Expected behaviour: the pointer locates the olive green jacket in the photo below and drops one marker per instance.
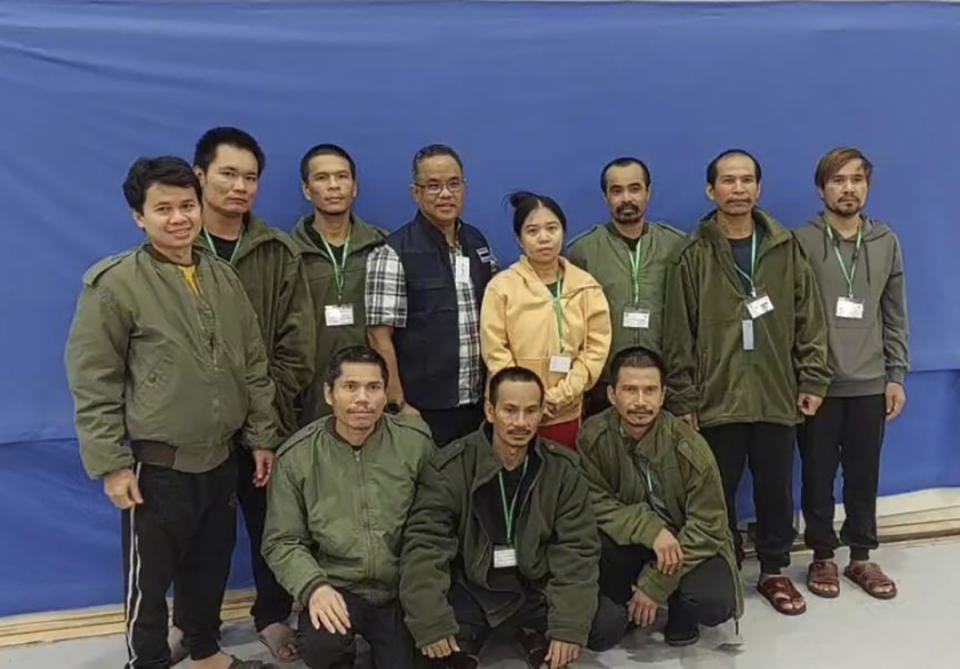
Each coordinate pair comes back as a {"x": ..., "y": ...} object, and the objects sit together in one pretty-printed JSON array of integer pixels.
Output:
[
  {"x": 335, "y": 514},
  {"x": 708, "y": 370},
  {"x": 556, "y": 541},
  {"x": 364, "y": 238},
  {"x": 604, "y": 253},
  {"x": 149, "y": 360},
  {"x": 273, "y": 276},
  {"x": 666, "y": 480}
]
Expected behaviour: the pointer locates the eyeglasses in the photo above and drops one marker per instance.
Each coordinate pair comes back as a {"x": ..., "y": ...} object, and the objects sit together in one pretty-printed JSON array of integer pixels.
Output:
[{"x": 436, "y": 187}]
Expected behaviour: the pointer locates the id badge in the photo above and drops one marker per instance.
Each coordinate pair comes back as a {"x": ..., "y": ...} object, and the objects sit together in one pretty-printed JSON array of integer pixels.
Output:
[
  {"x": 760, "y": 305},
  {"x": 638, "y": 319},
  {"x": 336, "y": 315},
  {"x": 504, "y": 556},
  {"x": 560, "y": 363},
  {"x": 847, "y": 307},
  {"x": 462, "y": 269},
  {"x": 747, "y": 325}
]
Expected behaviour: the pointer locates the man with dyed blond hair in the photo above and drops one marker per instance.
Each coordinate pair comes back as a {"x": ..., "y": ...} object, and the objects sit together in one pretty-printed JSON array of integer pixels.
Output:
[{"x": 859, "y": 268}]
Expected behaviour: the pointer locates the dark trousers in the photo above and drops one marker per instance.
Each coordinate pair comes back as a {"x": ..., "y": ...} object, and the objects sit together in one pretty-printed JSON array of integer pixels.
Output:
[
  {"x": 705, "y": 596},
  {"x": 450, "y": 424},
  {"x": 391, "y": 646},
  {"x": 846, "y": 431},
  {"x": 768, "y": 448},
  {"x": 273, "y": 603},
  {"x": 184, "y": 530},
  {"x": 607, "y": 628}
]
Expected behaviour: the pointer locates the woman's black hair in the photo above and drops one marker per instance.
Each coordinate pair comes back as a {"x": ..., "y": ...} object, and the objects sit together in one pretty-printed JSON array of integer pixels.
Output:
[{"x": 524, "y": 202}]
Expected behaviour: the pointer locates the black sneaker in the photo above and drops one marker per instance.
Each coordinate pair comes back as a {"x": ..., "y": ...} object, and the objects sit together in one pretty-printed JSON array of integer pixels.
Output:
[{"x": 681, "y": 629}]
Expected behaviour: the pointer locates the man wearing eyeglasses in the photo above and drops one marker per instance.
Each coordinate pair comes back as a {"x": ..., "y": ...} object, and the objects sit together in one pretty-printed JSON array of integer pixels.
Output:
[{"x": 423, "y": 293}]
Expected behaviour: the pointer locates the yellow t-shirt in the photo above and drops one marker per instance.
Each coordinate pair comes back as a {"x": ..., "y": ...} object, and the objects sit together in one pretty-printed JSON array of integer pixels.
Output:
[{"x": 190, "y": 276}]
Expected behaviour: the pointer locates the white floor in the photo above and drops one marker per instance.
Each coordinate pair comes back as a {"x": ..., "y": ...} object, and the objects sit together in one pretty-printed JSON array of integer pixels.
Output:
[{"x": 918, "y": 630}]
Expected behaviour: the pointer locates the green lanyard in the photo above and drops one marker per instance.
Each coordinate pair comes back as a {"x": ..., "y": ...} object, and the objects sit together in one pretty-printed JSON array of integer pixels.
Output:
[
  {"x": 558, "y": 310},
  {"x": 635, "y": 271},
  {"x": 856, "y": 252},
  {"x": 753, "y": 264},
  {"x": 213, "y": 246},
  {"x": 339, "y": 273},
  {"x": 508, "y": 511}
]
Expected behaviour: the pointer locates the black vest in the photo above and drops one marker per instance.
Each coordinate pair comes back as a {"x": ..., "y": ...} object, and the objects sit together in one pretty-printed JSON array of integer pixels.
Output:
[{"x": 428, "y": 349}]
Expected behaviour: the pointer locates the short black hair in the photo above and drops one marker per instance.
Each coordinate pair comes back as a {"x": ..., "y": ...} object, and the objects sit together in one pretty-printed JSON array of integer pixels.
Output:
[
  {"x": 207, "y": 146},
  {"x": 166, "y": 170},
  {"x": 358, "y": 354},
  {"x": 712, "y": 167},
  {"x": 623, "y": 162},
  {"x": 636, "y": 357},
  {"x": 324, "y": 150},
  {"x": 521, "y": 374},
  {"x": 524, "y": 202},
  {"x": 431, "y": 151}
]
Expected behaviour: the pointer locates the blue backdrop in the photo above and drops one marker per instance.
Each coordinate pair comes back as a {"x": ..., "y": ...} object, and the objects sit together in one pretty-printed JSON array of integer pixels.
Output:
[{"x": 533, "y": 95}]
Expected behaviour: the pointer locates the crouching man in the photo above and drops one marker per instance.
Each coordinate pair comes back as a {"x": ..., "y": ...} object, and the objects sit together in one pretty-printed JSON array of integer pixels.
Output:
[
  {"x": 336, "y": 508},
  {"x": 501, "y": 533},
  {"x": 656, "y": 493}
]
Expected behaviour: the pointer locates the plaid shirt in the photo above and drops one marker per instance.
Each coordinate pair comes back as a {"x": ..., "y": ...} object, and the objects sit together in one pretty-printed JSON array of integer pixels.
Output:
[{"x": 386, "y": 304}]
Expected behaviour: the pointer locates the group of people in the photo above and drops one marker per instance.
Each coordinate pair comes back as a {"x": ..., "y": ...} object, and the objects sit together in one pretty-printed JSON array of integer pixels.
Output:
[{"x": 426, "y": 449}]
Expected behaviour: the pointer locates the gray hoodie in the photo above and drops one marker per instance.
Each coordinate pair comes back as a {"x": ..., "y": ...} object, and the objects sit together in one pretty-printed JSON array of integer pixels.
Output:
[{"x": 864, "y": 353}]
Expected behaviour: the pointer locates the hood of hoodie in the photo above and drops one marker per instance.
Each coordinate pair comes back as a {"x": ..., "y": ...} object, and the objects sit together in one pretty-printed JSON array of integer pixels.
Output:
[
  {"x": 575, "y": 279},
  {"x": 872, "y": 231},
  {"x": 362, "y": 235}
]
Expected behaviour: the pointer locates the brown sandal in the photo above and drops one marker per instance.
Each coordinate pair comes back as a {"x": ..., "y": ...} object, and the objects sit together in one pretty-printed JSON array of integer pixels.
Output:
[
  {"x": 871, "y": 578},
  {"x": 779, "y": 591},
  {"x": 821, "y": 575}
]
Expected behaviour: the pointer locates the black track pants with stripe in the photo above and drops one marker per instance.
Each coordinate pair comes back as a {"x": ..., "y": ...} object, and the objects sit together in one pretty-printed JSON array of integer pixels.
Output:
[{"x": 185, "y": 529}]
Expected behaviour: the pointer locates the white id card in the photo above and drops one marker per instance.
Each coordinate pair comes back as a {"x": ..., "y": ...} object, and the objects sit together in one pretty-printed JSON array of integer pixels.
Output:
[
  {"x": 462, "y": 269},
  {"x": 759, "y": 306},
  {"x": 849, "y": 308},
  {"x": 560, "y": 363},
  {"x": 335, "y": 315},
  {"x": 504, "y": 556},
  {"x": 747, "y": 325},
  {"x": 636, "y": 318}
]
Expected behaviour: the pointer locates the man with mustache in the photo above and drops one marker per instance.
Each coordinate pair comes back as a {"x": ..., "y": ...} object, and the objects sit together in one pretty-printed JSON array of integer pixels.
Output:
[
  {"x": 628, "y": 257},
  {"x": 656, "y": 492},
  {"x": 859, "y": 267},
  {"x": 167, "y": 368},
  {"x": 338, "y": 502},
  {"x": 501, "y": 534},
  {"x": 746, "y": 350},
  {"x": 229, "y": 164}
]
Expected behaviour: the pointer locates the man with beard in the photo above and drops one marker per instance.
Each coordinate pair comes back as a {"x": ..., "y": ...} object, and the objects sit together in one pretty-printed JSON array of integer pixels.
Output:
[
  {"x": 338, "y": 503},
  {"x": 656, "y": 492},
  {"x": 334, "y": 242},
  {"x": 501, "y": 534},
  {"x": 746, "y": 348},
  {"x": 859, "y": 267},
  {"x": 628, "y": 257}
]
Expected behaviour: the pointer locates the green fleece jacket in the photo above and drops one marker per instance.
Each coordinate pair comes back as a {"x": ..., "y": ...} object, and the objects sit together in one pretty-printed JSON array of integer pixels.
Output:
[
  {"x": 868, "y": 352},
  {"x": 364, "y": 238},
  {"x": 270, "y": 268},
  {"x": 708, "y": 370},
  {"x": 335, "y": 513},
  {"x": 556, "y": 541},
  {"x": 150, "y": 360},
  {"x": 668, "y": 479},
  {"x": 605, "y": 254}
]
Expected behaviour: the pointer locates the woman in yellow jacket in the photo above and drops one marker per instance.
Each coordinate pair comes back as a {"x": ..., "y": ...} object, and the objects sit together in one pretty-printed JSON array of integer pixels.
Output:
[{"x": 547, "y": 315}]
